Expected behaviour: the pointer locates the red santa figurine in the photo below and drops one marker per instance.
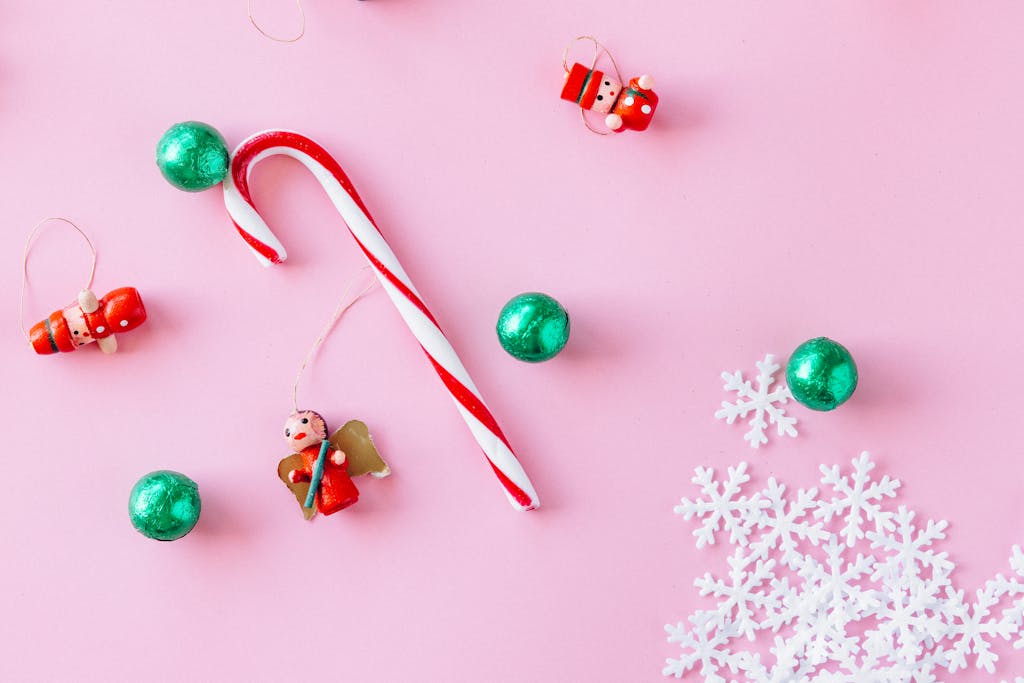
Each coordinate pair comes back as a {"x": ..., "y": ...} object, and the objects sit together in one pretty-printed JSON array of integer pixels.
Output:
[
  {"x": 627, "y": 108},
  {"x": 90, "y": 319}
]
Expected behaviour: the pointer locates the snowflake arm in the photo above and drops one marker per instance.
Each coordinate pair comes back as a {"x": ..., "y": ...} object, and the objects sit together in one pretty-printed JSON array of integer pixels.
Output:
[{"x": 1014, "y": 589}]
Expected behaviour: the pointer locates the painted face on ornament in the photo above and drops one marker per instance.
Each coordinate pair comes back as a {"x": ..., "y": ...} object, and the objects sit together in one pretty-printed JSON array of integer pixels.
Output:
[
  {"x": 76, "y": 325},
  {"x": 304, "y": 429},
  {"x": 606, "y": 94}
]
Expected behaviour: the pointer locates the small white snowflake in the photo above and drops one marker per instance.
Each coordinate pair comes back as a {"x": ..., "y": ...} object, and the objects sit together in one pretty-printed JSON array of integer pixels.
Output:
[
  {"x": 832, "y": 597},
  {"x": 834, "y": 586},
  {"x": 910, "y": 617},
  {"x": 974, "y": 626},
  {"x": 722, "y": 509},
  {"x": 745, "y": 593},
  {"x": 909, "y": 549},
  {"x": 786, "y": 524},
  {"x": 761, "y": 402},
  {"x": 858, "y": 496},
  {"x": 702, "y": 644}
]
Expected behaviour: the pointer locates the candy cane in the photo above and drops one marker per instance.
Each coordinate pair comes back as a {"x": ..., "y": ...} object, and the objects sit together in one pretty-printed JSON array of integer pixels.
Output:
[{"x": 392, "y": 276}]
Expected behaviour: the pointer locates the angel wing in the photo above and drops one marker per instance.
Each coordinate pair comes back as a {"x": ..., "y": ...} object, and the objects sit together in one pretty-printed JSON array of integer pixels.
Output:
[
  {"x": 355, "y": 442},
  {"x": 294, "y": 462}
]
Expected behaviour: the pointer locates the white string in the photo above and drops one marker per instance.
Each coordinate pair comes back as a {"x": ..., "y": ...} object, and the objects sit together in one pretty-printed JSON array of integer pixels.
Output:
[
  {"x": 24, "y": 264},
  {"x": 302, "y": 28},
  {"x": 343, "y": 306}
]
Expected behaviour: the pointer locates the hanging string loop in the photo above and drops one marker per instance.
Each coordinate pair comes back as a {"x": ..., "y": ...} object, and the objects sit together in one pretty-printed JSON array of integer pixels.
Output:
[{"x": 24, "y": 264}]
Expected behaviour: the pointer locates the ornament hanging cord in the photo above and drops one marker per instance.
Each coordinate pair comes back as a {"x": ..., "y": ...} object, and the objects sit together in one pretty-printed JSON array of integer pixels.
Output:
[
  {"x": 598, "y": 49},
  {"x": 24, "y": 264},
  {"x": 302, "y": 27},
  {"x": 343, "y": 306}
]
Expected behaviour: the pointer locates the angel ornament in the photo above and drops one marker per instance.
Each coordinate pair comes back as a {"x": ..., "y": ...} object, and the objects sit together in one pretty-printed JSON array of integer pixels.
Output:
[{"x": 320, "y": 470}]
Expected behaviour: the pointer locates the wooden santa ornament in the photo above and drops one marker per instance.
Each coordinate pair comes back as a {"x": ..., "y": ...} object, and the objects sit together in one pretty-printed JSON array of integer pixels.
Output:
[
  {"x": 89, "y": 320},
  {"x": 628, "y": 107}
]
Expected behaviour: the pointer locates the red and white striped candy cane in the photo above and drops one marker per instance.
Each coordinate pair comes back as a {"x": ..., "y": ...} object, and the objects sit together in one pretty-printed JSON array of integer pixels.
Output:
[{"x": 396, "y": 283}]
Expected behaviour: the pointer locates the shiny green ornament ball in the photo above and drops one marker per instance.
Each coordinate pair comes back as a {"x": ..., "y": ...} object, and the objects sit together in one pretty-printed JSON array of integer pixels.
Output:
[
  {"x": 533, "y": 327},
  {"x": 193, "y": 156},
  {"x": 821, "y": 374},
  {"x": 164, "y": 505}
]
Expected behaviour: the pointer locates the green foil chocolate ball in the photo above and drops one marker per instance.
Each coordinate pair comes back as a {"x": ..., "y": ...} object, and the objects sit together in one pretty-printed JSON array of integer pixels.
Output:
[
  {"x": 193, "y": 156},
  {"x": 164, "y": 505},
  {"x": 533, "y": 327},
  {"x": 821, "y": 374}
]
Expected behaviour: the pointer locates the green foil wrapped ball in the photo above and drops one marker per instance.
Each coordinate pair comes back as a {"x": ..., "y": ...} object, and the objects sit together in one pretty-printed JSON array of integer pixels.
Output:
[
  {"x": 533, "y": 327},
  {"x": 193, "y": 156},
  {"x": 164, "y": 505},
  {"x": 821, "y": 374}
]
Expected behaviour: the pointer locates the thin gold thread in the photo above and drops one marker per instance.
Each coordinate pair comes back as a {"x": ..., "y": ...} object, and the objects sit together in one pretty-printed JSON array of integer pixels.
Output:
[
  {"x": 302, "y": 28},
  {"x": 343, "y": 306},
  {"x": 24, "y": 264}
]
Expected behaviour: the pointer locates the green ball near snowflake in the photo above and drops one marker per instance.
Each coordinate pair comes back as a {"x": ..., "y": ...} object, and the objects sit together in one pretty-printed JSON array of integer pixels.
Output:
[{"x": 821, "y": 374}]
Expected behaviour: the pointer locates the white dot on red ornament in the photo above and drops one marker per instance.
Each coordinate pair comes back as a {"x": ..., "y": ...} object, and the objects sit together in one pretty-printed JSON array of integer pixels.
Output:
[
  {"x": 646, "y": 109},
  {"x": 629, "y": 101},
  {"x": 100, "y": 329},
  {"x": 124, "y": 323}
]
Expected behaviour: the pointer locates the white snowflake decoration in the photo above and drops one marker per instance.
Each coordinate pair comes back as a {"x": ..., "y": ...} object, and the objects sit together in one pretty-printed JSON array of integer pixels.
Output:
[
  {"x": 720, "y": 509},
  {"x": 833, "y": 614},
  {"x": 762, "y": 402},
  {"x": 858, "y": 496}
]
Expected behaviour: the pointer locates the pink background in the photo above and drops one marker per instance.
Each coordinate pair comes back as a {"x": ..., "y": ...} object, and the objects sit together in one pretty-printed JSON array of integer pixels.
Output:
[{"x": 850, "y": 170}]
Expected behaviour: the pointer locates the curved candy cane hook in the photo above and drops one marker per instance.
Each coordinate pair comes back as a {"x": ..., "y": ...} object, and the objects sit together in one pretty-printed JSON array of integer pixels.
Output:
[{"x": 392, "y": 276}]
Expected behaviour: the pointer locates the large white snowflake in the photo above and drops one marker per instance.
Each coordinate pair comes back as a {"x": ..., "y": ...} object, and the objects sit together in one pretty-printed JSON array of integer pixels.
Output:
[
  {"x": 762, "y": 402},
  {"x": 835, "y": 614}
]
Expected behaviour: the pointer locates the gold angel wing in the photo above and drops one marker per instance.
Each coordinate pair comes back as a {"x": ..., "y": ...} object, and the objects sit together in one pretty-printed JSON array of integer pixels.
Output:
[
  {"x": 355, "y": 442},
  {"x": 294, "y": 462}
]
